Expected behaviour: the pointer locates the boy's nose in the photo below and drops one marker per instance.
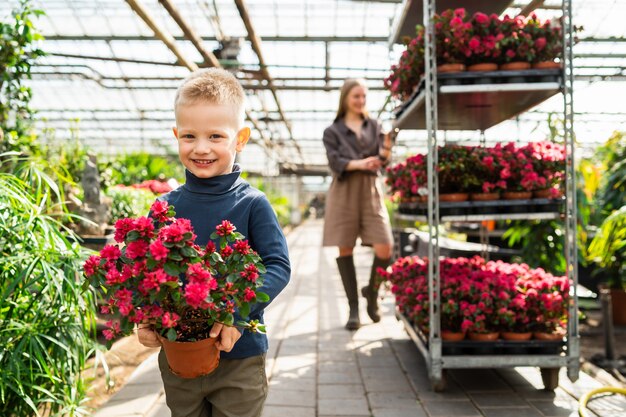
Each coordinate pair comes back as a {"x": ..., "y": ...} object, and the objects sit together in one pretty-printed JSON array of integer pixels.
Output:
[{"x": 203, "y": 146}]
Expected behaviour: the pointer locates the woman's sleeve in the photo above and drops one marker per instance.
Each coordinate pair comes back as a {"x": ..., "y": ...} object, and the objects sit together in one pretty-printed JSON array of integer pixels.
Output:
[{"x": 336, "y": 161}]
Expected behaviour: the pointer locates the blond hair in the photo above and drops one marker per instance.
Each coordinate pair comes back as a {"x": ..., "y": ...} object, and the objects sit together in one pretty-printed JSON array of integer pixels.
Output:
[
  {"x": 212, "y": 85},
  {"x": 348, "y": 85}
]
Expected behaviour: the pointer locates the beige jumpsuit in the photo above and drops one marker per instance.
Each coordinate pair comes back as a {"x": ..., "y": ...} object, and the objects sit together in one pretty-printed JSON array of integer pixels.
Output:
[{"x": 354, "y": 204}]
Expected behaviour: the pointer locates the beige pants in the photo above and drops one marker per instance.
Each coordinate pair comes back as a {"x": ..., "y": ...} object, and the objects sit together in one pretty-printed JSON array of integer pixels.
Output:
[
  {"x": 237, "y": 388},
  {"x": 355, "y": 208}
]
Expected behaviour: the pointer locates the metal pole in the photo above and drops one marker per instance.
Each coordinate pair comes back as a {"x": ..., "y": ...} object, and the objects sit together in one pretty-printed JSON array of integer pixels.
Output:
[
  {"x": 573, "y": 338},
  {"x": 434, "y": 338}
]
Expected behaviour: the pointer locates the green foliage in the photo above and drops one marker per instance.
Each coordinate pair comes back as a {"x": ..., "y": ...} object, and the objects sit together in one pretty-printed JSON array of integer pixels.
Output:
[
  {"x": 129, "y": 202},
  {"x": 133, "y": 168},
  {"x": 18, "y": 52},
  {"x": 613, "y": 157},
  {"x": 608, "y": 249},
  {"x": 541, "y": 243},
  {"x": 45, "y": 317}
]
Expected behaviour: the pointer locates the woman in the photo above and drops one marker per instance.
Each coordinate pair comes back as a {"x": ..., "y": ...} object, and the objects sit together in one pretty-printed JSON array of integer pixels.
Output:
[{"x": 356, "y": 150}]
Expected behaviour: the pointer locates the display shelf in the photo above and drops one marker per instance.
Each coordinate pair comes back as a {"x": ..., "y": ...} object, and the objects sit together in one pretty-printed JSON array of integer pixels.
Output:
[
  {"x": 467, "y": 211},
  {"x": 503, "y": 352},
  {"x": 411, "y": 14},
  {"x": 477, "y": 101}
]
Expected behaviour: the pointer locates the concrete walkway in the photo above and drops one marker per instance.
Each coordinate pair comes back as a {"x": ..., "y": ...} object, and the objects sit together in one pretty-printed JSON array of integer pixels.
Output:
[{"x": 318, "y": 369}]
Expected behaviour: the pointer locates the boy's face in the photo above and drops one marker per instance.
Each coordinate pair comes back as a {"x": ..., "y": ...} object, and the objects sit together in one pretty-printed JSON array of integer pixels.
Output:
[{"x": 208, "y": 137}]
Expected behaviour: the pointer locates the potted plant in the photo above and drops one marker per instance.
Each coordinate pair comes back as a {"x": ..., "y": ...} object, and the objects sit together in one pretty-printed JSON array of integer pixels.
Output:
[
  {"x": 405, "y": 76},
  {"x": 482, "y": 52},
  {"x": 452, "y": 33},
  {"x": 517, "y": 45},
  {"x": 161, "y": 278}
]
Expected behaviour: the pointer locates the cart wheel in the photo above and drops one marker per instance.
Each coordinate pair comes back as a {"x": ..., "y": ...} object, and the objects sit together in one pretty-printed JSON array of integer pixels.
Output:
[
  {"x": 439, "y": 385},
  {"x": 550, "y": 378}
]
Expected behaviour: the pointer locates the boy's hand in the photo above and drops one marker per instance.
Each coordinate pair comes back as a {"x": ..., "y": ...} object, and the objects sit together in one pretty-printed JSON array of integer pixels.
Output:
[
  {"x": 147, "y": 337},
  {"x": 227, "y": 336}
]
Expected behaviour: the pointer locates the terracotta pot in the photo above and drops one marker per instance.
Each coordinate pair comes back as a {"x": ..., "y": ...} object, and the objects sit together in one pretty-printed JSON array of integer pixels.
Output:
[
  {"x": 191, "y": 359},
  {"x": 484, "y": 196},
  {"x": 450, "y": 68},
  {"x": 517, "y": 195},
  {"x": 546, "y": 65},
  {"x": 451, "y": 336},
  {"x": 548, "y": 336},
  {"x": 618, "y": 301},
  {"x": 454, "y": 197},
  {"x": 484, "y": 337},
  {"x": 485, "y": 66},
  {"x": 515, "y": 336},
  {"x": 515, "y": 66},
  {"x": 546, "y": 193}
]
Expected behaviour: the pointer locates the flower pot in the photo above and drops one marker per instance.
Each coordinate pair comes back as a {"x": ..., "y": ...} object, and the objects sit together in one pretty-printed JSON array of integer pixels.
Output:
[
  {"x": 484, "y": 337},
  {"x": 547, "y": 65},
  {"x": 484, "y": 196},
  {"x": 450, "y": 68},
  {"x": 451, "y": 336},
  {"x": 454, "y": 197},
  {"x": 547, "y": 193},
  {"x": 515, "y": 66},
  {"x": 515, "y": 336},
  {"x": 547, "y": 336},
  {"x": 191, "y": 359},
  {"x": 517, "y": 195},
  {"x": 485, "y": 66}
]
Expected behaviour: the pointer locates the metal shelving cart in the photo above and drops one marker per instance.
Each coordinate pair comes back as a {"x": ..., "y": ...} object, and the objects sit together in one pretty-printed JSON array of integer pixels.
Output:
[{"x": 441, "y": 103}]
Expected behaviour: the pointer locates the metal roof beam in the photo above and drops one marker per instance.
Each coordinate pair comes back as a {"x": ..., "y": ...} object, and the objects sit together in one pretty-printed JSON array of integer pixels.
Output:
[
  {"x": 139, "y": 38},
  {"x": 530, "y": 7},
  {"x": 256, "y": 46},
  {"x": 209, "y": 58}
]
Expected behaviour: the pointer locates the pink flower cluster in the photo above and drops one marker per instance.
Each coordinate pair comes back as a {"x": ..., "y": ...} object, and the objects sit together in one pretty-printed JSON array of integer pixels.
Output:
[
  {"x": 509, "y": 167},
  {"x": 480, "y": 38},
  {"x": 159, "y": 275},
  {"x": 156, "y": 186},
  {"x": 480, "y": 296}
]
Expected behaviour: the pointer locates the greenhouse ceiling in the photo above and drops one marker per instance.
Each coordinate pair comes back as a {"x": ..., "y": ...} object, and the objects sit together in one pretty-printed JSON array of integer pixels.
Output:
[{"x": 112, "y": 67}]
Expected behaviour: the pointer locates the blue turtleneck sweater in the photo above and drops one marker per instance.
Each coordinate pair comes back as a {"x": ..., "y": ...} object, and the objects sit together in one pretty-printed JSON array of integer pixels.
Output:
[{"x": 206, "y": 202}]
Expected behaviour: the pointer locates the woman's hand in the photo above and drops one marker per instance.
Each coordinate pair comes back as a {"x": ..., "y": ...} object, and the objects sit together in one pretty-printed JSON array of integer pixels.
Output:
[{"x": 373, "y": 164}]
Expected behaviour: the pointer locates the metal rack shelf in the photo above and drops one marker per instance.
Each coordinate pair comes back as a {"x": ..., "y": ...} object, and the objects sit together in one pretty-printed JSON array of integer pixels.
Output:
[
  {"x": 480, "y": 105},
  {"x": 411, "y": 14},
  {"x": 478, "y": 101}
]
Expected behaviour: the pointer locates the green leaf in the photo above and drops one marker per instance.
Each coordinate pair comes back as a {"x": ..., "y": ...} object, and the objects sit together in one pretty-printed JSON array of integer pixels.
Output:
[
  {"x": 174, "y": 256},
  {"x": 188, "y": 251},
  {"x": 171, "y": 268},
  {"x": 171, "y": 335},
  {"x": 132, "y": 236},
  {"x": 244, "y": 310},
  {"x": 261, "y": 297},
  {"x": 261, "y": 328},
  {"x": 214, "y": 236},
  {"x": 228, "y": 319}
]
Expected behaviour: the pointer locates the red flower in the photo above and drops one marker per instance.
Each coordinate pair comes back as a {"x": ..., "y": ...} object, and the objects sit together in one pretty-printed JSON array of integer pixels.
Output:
[
  {"x": 91, "y": 265},
  {"x": 170, "y": 319},
  {"x": 158, "y": 251},
  {"x": 159, "y": 210},
  {"x": 242, "y": 247},
  {"x": 136, "y": 249},
  {"x": 225, "y": 228}
]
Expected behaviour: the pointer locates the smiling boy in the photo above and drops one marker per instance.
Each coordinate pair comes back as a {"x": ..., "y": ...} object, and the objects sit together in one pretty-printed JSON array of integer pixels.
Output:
[{"x": 210, "y": 131}]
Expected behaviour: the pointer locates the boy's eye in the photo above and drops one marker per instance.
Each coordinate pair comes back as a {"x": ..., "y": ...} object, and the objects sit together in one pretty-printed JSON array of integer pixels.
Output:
[
  {"x": 187, "y": 136},
  {"x": 216, "y": 136}
]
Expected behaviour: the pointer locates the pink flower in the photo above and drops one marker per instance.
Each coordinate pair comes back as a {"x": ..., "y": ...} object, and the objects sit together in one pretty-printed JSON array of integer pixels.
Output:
[
  {"x": 248, "y": 294},
  {"x": 158, "y": 251},
  {"x": 226, "y": 251},
  {"x": 159, "y": 210},
  {"x": 196, "y": 294},
  {"x": 170, "y": 319},
  {"x": 225, "y": 228},
  {"x": 136, "y": 249},
  {"x": 242, "y": 247},
  {"x": 91, "y": 265},
  {"x": 251, "y": 273},
  {"x": 122, "y": 227},
  {"x": 110, "y": 253}
]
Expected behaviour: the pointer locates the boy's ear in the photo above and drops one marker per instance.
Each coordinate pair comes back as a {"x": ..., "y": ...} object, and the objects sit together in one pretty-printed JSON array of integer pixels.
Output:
[
  {"x": 175, "y": 130},
  {"x": 242, "y": 138}
]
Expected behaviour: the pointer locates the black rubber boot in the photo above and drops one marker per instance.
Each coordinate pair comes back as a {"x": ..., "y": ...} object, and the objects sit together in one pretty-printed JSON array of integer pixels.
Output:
[
  {"x": 348, "y": 278},
  {"x": 370, "y": 292}
]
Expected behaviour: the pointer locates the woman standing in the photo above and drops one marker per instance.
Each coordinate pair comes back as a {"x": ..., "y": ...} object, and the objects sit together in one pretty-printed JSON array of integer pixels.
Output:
[{"x": 356, "y": 150}]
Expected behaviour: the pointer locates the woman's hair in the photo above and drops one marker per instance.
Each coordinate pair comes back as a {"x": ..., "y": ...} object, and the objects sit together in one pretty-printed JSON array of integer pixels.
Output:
[
  {"x": 348, "y": 85},
  {"x": 212, "y": 85}
]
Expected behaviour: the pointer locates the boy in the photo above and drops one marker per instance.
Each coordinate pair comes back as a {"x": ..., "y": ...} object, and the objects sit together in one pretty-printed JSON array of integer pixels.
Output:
[{"x": 209, "y": 109}]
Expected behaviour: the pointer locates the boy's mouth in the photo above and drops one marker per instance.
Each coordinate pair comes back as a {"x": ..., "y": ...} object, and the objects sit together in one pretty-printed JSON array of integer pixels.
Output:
[{"x": 203, "y": 162}]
